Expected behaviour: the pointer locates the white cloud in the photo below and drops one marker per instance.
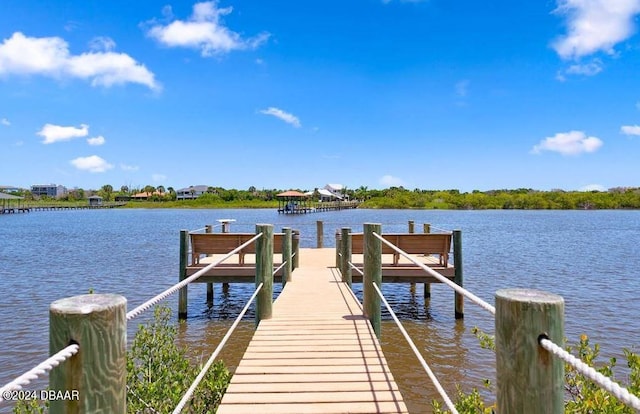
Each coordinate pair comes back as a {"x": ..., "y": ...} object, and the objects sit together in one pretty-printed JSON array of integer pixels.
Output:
[
  {"x": 93, "y": 164},
  {"x": 586, "y": 69},
  {"x": 285, "y": 116},
  {"x": 5, "y": 122},
  {"x": 158, "y": 177},
  {"x": 50, "y": 56},
  {"x": 593, "y": 187},
  {"x": 56, "y": 133},
  {"x": 462, "y": 88},
  {"x": 99, "y": 140},
  {"x": 125, "y": 167},
  {"x": 594, "y": 26},
  {"x": 568, "y": 143},
  {"x": 102, "y": 44},
  {"x": 203, "y": 30},
  {"x": 390, "y": 181},
  {"x": 630, "y": 130}
]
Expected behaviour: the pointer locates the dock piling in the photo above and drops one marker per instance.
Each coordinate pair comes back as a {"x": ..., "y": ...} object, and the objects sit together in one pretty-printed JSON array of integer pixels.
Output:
[
  {"x": 319, "y": 234},
  {"x": 345, "y": 250},
  {"x": 458, "y": 275},
  {"x": 209, "y": 229},
  {"x": 372, "y": 274},
  {"x": 264, "y": 272},
  {"x": 183, "y": 293},
  {"x": 286, "y": 255}
]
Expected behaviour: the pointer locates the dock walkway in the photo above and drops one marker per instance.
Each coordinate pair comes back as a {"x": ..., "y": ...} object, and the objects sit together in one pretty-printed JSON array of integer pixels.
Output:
[{"x": 317, "y": 354}]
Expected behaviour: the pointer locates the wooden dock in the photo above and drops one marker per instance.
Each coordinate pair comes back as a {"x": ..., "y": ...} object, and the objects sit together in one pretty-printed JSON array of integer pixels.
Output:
[{"x": 318, "y": 353}]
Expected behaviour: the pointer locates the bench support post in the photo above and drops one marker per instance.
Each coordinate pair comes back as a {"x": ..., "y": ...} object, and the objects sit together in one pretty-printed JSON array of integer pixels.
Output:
[
  {"x": 345, "y": 250},
  {"x": 457, "y": 278},
  {"x": 182, "y": 293},
  {"x": 372, "y": 274},
  {"x": 286, "y": 255},
  {"x": 264, "y": 272},
  {"x": 209, "y": 229}
]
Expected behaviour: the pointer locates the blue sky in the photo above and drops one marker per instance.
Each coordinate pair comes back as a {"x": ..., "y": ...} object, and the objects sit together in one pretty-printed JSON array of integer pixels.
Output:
[{"x": 434, "y": 94}]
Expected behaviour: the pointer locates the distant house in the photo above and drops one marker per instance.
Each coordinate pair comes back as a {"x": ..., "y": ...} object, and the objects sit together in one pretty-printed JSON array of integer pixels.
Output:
[
  {"x": 146, "y": 196},
  {"x": 337, "y": 190},
  {"x": 191, "y": 193},
  {"x": 9, "y": 189},
  {"x": 48, "y": 190},
  {"x": 324, "y": 195},
  {"x": 95, "y": 200}
]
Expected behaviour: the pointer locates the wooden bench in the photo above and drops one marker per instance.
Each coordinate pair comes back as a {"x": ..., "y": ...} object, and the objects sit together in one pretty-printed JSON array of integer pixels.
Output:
[
  {"x": 203, "y": 244},
  {"x": 412, "y": 243}
]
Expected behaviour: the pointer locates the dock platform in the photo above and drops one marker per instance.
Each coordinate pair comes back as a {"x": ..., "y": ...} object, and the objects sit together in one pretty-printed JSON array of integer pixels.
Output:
[{"x": 317, "y": 354}]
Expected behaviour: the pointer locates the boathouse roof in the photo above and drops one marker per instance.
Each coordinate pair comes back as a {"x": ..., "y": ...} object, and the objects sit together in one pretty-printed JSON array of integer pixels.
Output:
[{"x": 291, "y": 193}]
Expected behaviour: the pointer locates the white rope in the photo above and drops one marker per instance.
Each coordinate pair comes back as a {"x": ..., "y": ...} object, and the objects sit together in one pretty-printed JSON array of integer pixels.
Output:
[
  {"x": 441, "y": 278},
  {"x": 278, "y": 268},
  {"x": 42, "y": 368},
  {"x": 435, "y": 381},
  {"x": 148, "y": 304},
  {"x": 602, "y": 381},
  {"x": 356, "y": 269},
  {"x": 187, "y": 396}
]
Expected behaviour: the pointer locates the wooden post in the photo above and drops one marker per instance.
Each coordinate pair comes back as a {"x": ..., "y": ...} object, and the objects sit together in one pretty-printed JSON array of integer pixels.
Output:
[
  {"x": 426, "y": 229},
  {"x": 345, "y": 250},
  {"x": 412, "y": 286},
  {"x": 338, "y": 249},
  {"x": 319, "y": 234},
  {"x": 530, "y": 380},
  {"x": 182, "y": 293},
  {"x": 411, "y": 226},
  {"x": 295, "y": 246},
  {"x": 457, "y": 277},
  {"x": 95, "y": 379},
  {"x": 209, "y": 229},
  {"x": 225, "y": 229},
  {"x": 286, "y": 255},
  {"x": 372, "y": 274},
  {"x": 264, "y": 271}
]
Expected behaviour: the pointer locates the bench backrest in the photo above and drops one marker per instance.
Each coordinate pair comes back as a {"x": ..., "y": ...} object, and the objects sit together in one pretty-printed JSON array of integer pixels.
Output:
[
  {"x": 412, "y": 243},
  {"x": 222, "y": 243}
]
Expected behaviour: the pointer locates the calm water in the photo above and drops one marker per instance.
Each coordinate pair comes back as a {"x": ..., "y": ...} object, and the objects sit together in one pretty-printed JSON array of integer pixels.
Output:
[{"x": 589, "y": 257}]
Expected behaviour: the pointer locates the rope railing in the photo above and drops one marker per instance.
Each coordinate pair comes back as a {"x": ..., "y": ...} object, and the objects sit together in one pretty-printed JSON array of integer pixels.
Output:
[
  {"x": 354, "y": 267},
  {"x": 40, "y": 369},
  {"x": 483, "y": 304},
  {"x": 277, "y": 269},
  {"x": 151, "y": 302},
  {"x": 413, "y": 347},
  {"x": 599, "y": 379},
  {"x": 189, "y": 394}
]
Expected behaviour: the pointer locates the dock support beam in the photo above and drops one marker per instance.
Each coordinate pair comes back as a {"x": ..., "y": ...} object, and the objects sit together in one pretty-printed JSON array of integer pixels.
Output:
[
  {"x": 529, "y": 378},
  {"x": 319, "y": 234},
  {"x": 95, "y": 379},
  {"x": 345, "y": 250},
  {"x": 286, "y": 255},
  {"x": 264, "y": 272},
  {"x": 457, "y": 277},
  {"x": 372, "y": 274},
  {"x": 426, "y": 229},
  {"x": 209, "y": 229},
  {"x": 182, "y": 293}
]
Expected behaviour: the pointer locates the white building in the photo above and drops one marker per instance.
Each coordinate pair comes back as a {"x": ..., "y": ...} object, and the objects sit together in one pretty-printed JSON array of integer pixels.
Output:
[
  {"x": 337, "y": 190},
  {"x": 191, "y": 193}
]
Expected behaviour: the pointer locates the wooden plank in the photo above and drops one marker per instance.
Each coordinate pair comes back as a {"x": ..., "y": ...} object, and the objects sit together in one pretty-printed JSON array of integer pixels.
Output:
[
  {"x": 311, "y": 386},
  {"x": 318, "y": 408},
  {"x": 310, "y": 397}
]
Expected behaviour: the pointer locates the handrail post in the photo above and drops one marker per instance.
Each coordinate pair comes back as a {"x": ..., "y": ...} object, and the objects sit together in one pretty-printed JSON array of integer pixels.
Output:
[
  {"x": 411, "y": 226},
  {"x": 286, "y": 255},
  {"x": 295, "y": 246},
  {"x": 457, "y": 276},
  {"x": 264, "y": 271},
  {"x": 372, "y": 274},
  {"x": 411, "y": 230},
  {"x": 209, "y": 229},
  {"x": 345, "y": 250},
  {"x": 529, "y": 379},
  {"x": 319, "y": 234},
  {"x": 182, "y": 294},
  {"x": 95, "y": 379}
]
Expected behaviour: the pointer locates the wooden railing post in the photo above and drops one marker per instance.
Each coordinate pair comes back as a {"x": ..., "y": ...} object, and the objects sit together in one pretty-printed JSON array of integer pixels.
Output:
[
  {"x": 457, "y": 276},
  {"x": 95, "y": 379},
  {"x": 338, "y": 249},
  {"x": 286, "y": 255},
  {"x": 319, "y": 234},
  {"x": 295, "y": 246},
  {"x": 264, "y": 271},
  {"x": 372, "y": 274},
  {"x": 530, "y": 380},
  {"x": 209, "y": 229},
  {"x": 182, "y": 293},
  {"x": 345, "y": 250},
  {"x": 411, "y": 229},
  {"x": 426, "y": 229},
  {"x": 226, "y": 226},
  {"x": 411, "y": 226}
]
